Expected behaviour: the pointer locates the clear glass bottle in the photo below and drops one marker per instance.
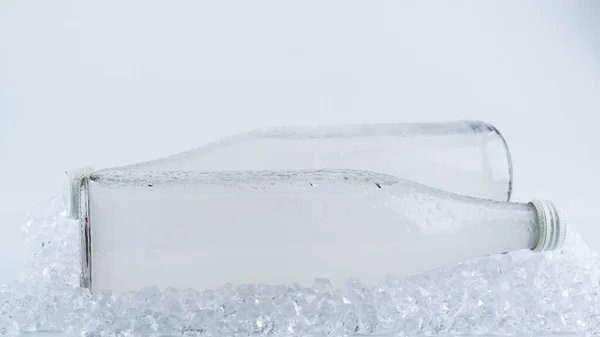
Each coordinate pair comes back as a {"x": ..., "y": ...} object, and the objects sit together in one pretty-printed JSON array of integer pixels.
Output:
[
  {"x": 465, "y": 157},
  {"x": 205, "y": 229}
]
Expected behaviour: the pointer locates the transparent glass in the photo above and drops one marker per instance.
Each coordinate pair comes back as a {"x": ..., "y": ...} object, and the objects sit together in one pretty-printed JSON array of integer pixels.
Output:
[
  {"x": 204, "y": 229},
  {"x": 465, "y": 157}
]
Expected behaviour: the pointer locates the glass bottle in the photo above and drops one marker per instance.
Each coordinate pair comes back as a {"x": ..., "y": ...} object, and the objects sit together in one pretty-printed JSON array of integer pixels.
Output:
[
  {"x": 204, "y": 229},
  {"x": 465, "y": 157}
]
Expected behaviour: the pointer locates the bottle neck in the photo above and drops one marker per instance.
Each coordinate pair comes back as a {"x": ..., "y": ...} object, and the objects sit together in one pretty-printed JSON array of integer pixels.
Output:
[
  {"x": 490, "y": 226},
  {"x": 507, "y": 227},
  {"x": 538, "y": 225}
]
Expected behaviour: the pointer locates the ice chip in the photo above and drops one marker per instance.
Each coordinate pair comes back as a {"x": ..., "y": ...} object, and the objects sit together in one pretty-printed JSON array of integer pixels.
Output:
[{"x": 323, "y": 286}]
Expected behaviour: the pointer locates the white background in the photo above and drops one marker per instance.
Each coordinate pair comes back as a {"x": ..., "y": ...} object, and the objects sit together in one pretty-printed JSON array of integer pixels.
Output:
[{"x": 115, "y": 82}]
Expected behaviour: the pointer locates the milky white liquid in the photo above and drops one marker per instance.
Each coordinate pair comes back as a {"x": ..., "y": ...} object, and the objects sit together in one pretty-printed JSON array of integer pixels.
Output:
[{"x": 203, "y": 232}]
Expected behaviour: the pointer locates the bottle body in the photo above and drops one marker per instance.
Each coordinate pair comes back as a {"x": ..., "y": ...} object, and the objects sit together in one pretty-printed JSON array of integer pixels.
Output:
[
  {"x": 465, "y": 157},
  {"x": 202, "y": 230}
]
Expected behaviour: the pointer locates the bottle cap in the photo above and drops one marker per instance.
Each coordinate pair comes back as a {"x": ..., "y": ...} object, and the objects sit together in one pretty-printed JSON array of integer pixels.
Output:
[
  {"x": 552, "y": 225},
  {"x": 72, "y": 190}
]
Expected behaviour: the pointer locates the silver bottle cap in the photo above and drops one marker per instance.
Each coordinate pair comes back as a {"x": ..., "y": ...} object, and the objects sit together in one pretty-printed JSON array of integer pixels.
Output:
[
  {"x": 72, "y": 190},
  {"x": 552, "y": 225}
]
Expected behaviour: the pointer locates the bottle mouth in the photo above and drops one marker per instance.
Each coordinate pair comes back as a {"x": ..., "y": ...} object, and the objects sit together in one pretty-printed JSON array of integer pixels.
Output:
[{"x": 552, "y": 225}]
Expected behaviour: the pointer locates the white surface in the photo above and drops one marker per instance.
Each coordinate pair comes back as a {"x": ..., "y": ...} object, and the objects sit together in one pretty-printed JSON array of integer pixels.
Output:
[{"x": 113, "y": 82}]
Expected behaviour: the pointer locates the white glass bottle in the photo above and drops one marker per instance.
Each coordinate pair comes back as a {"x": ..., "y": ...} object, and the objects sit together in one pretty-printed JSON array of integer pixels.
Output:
[
  {"x": 465, "y": 157},
  {"x": 202, "y": 230}
]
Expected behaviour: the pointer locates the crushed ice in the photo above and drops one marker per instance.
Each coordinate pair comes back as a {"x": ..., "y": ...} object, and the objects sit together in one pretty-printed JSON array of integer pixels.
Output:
[{"x": 520, "y": 292}]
